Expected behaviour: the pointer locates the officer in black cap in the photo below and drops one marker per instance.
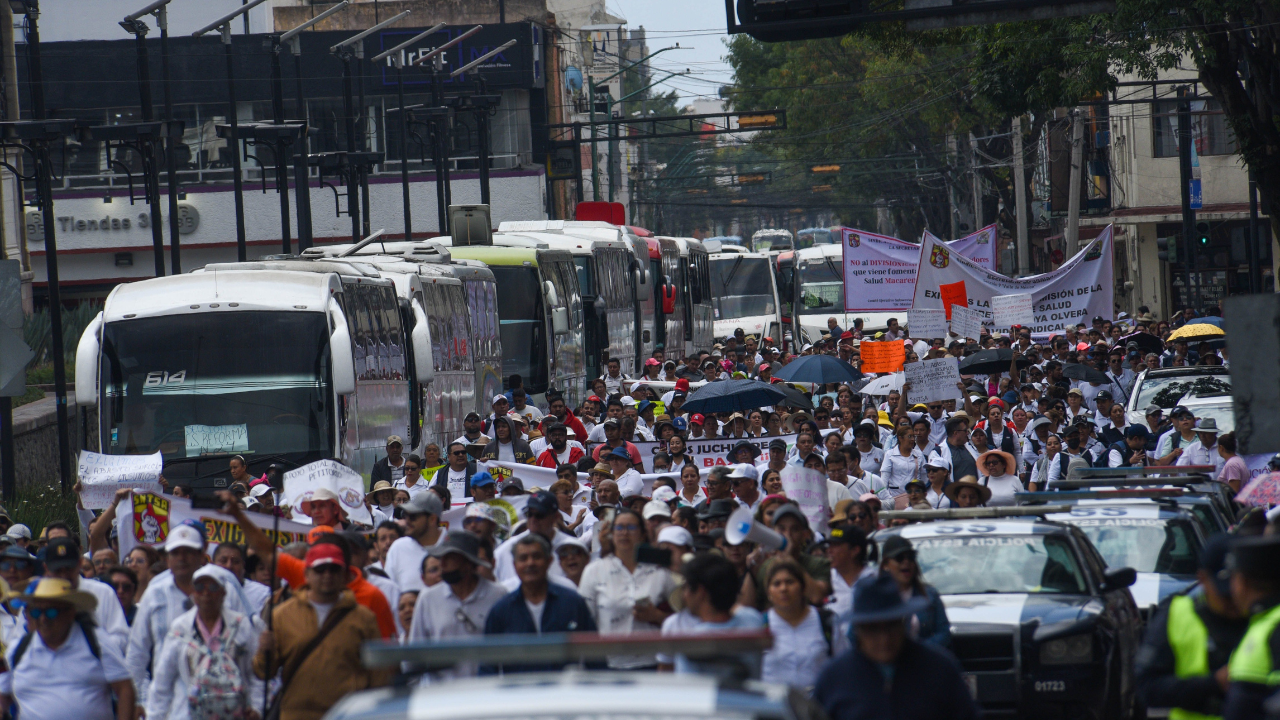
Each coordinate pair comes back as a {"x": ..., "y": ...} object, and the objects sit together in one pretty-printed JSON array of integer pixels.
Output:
[
  {"x": 1182, "y": 663},
  {"x": 1254, "y": 563}
]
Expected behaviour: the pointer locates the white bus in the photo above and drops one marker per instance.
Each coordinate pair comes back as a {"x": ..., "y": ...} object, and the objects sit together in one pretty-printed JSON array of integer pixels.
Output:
[
  {"x": 686, "y": 267},
  {"x": 279, "y": 361},
  {"x": 744, "y": 294},
  {"x": 772, "y": 240},
  {"x": 818, "y": 287}
]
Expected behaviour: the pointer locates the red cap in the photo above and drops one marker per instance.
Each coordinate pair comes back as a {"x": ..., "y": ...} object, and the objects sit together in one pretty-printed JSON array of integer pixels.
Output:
[
  {"x": 763, "y": 367},
  {"x": 594, "y": 398},
  {"x": 697, "y": 419},
  {"x": 314, "y": 533},
  {"x": 325, "y": 554},
  {"x": 682, "y": 384},
  {"x": 846, "y": 335},
  {"x": 652, "y": 361}
]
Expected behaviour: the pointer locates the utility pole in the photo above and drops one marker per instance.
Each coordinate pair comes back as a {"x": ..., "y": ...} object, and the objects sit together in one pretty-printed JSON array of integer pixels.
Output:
[
  {"x": 1020, "y": 197},
  {"x": 1073, "y": 201},
  {"x": 1251, "y": 252},
  {"x": 1184, "y": 176},
  {"x": 977, "y": 182},
  {"x": 152, "y": 184},
  {"x": 481, "y": 104}
]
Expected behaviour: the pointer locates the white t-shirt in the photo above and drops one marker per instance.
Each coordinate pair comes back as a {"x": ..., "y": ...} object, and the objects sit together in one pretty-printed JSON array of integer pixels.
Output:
[
  {"x": 322, "y": 612},
  {"x": 68, "y": 682},
  {"x": 535, "y": 611},
  {"x": 799, "y": 652},
  {"x": 457, "y": 482},
  {"x": 506, "y": 452},
  {"x": 404, "y": 563}
]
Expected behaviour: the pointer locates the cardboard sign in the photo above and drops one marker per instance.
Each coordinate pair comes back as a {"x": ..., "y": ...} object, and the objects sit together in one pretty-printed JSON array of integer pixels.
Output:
[
  {"x": 205, "y": 439},
  {"x": 346, "y": 483},
  {"x": 883, "y": 357},
  {"x": 927, "y": 324},
  {"x": 953, "y": 294},
  {"x": 932, "y": 380},
  {"x": 966, "y": 323},
  {"x": 808, "y": 489},
  {"x": 102, "y": 475},
  {"x": 1009, "y": 310}
]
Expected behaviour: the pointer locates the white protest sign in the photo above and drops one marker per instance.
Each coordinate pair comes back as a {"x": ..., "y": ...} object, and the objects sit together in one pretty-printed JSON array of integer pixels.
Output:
[
  {"x": 1009, "y": 310},
  {"x": 880, "y": 271},
  {"x": 932, "y": 380},
  {"x": 966, "y": 323},
  {"x": 980, "y": 247},
  {"x": 102, "y": 475},
  {"x": 202, "y": 439},
  {"x": 145, "y": 519},
  {"x": 927, "y": 324},
  {"x": 1082, "y": 288},
  {"x": 807, "y": 488},
  {"x": 347, "y": 484}
]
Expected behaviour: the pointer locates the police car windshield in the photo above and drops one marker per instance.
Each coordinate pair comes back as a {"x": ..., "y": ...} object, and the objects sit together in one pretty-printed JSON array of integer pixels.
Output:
[
  {"x": 1136, "y": 538},
  {"x": 968, "y": 563}
]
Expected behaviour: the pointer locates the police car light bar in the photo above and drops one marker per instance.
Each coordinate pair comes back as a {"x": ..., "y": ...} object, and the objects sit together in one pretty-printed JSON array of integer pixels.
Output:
[
  {"x": 974, "y": 513},
  {"x": 1134, "y": 494},
  {"x": 1181, "y": 481},
  {"x": 1127, "y": 472},
  {"x": 555, "y": 648}
]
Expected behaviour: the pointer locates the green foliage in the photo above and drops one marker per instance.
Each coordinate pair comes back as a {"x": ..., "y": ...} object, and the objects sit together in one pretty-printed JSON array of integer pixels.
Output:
[
  {"x": 37, "y": 332},
  {"x": 37, "y": 507}
]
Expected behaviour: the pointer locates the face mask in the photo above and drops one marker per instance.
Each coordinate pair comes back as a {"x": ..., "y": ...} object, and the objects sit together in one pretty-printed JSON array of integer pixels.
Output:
[{"x": 453, "y": 577}]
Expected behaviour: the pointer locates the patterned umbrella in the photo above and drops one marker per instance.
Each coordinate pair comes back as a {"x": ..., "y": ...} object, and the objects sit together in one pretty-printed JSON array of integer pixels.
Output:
[
  {"x": 1196, "y": 332},
  {"x": 1262, "y": 491}
]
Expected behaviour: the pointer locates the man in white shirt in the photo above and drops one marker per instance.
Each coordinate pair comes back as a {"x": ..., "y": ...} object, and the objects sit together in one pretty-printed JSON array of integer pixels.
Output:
[
  {"x": 614, "y": 377},
  {"x": 1204, "y": 451},
  {"x": 404, "y": 559},
  {"x": 62, "y": 673},
  {"x": 541, "y": 512},
  {"x": 459, "y": 605},
  {"x": 62, "y": 560},
  {"x": 744, "y": 479},
  {"x": 471, "y": 435},
  {"x": 1121, "y": 377},
  {"x": 531, "y": 414}
]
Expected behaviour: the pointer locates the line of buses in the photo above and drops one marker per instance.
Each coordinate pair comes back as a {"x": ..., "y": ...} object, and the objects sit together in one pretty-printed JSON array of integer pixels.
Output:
[{"x": 292, "y": 359}]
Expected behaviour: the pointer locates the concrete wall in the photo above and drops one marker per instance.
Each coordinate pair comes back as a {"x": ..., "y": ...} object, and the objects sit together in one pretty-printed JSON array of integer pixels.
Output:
[
  {"x": 361, "y": 15},
  {"x": 35, "y": 440}
]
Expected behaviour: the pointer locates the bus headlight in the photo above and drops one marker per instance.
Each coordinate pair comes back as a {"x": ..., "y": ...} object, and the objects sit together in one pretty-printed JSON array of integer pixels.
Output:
[{"x": 1073, "y": 650}]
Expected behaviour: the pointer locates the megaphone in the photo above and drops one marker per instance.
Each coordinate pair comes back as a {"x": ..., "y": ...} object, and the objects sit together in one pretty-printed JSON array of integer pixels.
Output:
[{"x": 743, "y": 527}]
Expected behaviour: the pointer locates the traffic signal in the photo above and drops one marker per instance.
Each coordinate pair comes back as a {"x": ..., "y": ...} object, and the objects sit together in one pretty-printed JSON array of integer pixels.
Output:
[
  {"x": 1167, "y": 249},
  {"x": 1202, "y": 234}
]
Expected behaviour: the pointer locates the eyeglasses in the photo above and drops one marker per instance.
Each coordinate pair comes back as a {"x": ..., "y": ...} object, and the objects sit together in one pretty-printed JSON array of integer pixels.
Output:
[
  {"x": 124, "y": 587},
  {"x": 935, "y": 407},
  {"x": 410, "y": 468},
  {"x": 11, "y": 565},
  {"x": 993, "y": 461},
  {"x": 465, "y": 620},
  {"x": 626, "y": 528},
  {"x": 458, "y": 452},
  {"x": 47, "y": 612}
]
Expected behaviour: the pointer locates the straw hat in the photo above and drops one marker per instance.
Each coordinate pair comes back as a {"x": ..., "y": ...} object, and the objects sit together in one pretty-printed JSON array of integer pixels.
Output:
[
  {"x": 1010, "y": 465},
  {"x": 52, "y": 589},
  {"x": 953, "y": 489}
]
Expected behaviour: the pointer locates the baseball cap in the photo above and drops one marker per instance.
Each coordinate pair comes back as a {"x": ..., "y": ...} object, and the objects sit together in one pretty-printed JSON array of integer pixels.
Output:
[
  {"x": 325, "y": 554},
  {"x": 63, "y": 552},
  {"x": 482, "y": 479},
  {"x": 697, "y": 419},
  {"x": 682, "y": 384},
  {"x": 394, "y": 440},
  {"x": 1180, "y": 411},
  {"x": 777, "y": 444},
  {"x": 511, "y": 482},
  {"x": 788, "y": 509},
  {"x": 1103, "y": 395},
  {"x": 183, "y": 536},
  {"x": 1153, "y": 410},
  {"x": 424, "y": 503},
  {"x": 541, "y": 503},
  {"x": 619, "y": 452},
  {"x": 1136, "y": 431},
  {"x": 260, "y": 490},
  {"x": 652, "y": 362},
  {"x": 213, "y": 572},
  {"x": 744, "y": 470},
  {"x": 19, "y": 531},
  {"x": 662, "y": 493},
  {"x": 675, "y": 535},
  {"x": 318, "y": 532},
  {"x": 498, "y": 397},
  {"x": 656, "y": 508}
]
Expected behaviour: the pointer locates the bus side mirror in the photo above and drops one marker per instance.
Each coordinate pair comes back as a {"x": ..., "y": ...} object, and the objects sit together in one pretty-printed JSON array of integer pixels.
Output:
[
  {"x": 424, "y": 361},
  {"x": 341, "y": 358},
  {"x": 641, "y": 279},
  {"x": 560, "y": 320},
  {"x": 87, "y": 364},
  {"x": 668, "y": 299}
]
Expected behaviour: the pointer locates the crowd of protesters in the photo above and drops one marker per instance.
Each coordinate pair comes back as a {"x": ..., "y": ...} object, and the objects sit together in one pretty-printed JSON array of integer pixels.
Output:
[{"x": 255, "y": 630}]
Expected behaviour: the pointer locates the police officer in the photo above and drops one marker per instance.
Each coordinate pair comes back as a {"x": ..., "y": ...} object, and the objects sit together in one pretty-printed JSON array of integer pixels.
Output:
[
  {"x": 1255, "y": 586},
  {"x": 1183, "y": 661}
]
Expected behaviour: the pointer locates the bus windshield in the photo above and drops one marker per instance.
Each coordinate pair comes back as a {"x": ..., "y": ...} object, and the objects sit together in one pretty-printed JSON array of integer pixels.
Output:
[
  {"x": 767, "y": 243},
  {"x": 821, "y": 287},
  {"x": 815, "y": 236},
  {"x": 521, "y": 326},
  {"x": 741, "y": 287},
  {"x": 208, "y": 383}
]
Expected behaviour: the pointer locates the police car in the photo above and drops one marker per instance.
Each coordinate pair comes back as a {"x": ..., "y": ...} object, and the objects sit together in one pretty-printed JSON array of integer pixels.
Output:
[
  {"x": 1041, "y": 625},
  {"x": 575, "y": 693}
]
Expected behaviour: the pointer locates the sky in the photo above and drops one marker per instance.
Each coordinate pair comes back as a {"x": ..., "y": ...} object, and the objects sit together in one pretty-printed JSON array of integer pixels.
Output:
[{"x": 695, "y": 24}]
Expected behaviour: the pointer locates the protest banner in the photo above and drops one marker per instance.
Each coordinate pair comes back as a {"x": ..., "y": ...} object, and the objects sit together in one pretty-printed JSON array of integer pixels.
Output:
[
  {"x": 966, "y": 323},
  {"x": 883, "y": 357},
  {"x": 102, "y": 475},
  {"x": 880, "y": 271},
  {"x": 710, "y": 453},
  {"x": 980, "y": 247},
  {"x": 807, "y": 488},
  {"x": 953, "y": 294},
  {"x": 512, "y": 513},
  {"x": 531, "y": 476},
  {"x": 927, "y": 324},
  {"x": 346, "y": 483},
  {"x": 1082, "y": 288},
  {"x": 145, "y": 519},
  {"x": 1010, "y": 310},
  {"x": 932, "y": 380}
]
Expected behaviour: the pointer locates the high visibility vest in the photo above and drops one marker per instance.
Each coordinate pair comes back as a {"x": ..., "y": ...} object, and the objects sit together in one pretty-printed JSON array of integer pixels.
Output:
[
  {"x": 1189, "y": 640},
  {"x": 1251, "y": 662}
]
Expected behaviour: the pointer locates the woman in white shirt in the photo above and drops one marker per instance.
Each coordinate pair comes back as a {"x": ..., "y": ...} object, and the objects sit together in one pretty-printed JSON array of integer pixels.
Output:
[
  {"x": 624, "y": 595},
  {"x": 902, "y": 464},
  {"x": 690, "y": 486},
  {"x": 996, "y": 467},
  {"x": 804, "y": 638}
]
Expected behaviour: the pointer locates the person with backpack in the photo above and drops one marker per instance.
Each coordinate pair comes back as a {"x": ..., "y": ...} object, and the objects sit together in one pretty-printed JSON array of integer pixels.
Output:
[
  {"x": 59, "y": 669},
  {"x": 804, "y": 636},
  {"x": 205, "y": 670},
  {"x": 1129, "y": 452}
]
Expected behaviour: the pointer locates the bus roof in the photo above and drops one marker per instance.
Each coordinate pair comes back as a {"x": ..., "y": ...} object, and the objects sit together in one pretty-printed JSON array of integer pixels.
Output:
[
  {"x": 819, "y": 251},
  {"x": 235, "y": 289},
  {"x": 728, "y": 252},
  {"x": 501, "y": 256},
  {"x": 575, "y": 243}
]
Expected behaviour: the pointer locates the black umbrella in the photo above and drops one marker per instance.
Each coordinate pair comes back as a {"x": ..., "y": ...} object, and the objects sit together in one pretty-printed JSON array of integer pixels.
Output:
[
  {"x": 990, "y": 362},
  {"x": 733, "y": 396},
  {"x": 820, "y": 369},
  {"x": 1083, "y": 373},
  {"x": 1147, "y": 343},
  {"x": 795, "y": 398}
]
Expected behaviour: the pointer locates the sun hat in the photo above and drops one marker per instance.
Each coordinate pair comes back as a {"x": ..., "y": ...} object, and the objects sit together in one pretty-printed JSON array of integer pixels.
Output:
[
  {"x": 1010, "y": 465},
  {"x": 51, "y": 589},
  {"x": 878, "y": 599},
  {"x": 320, "y": 495},
  {"x": 953, "y": 489},
  {"x": 377, "y": 488},
  {"x": 459, "y": 542}
]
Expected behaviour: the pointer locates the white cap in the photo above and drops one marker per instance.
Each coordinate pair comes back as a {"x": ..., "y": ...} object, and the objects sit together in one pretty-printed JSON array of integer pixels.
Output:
[
  {"x": 258, "y": 491},
  {"x": 249, "y": 502},
  {"x": 663, "y": 493},
  {"x": 211, "y": 571},
  {"x": 675, "y": 535},
  {"x": 183, "y": 536},
  {"x": 19, "y": 531},
  {"x": 744, "y": 470},
  {"x": 656, "y": 508},
  {"x": 498, "y": 397},
  {"x": 572, "y": 542},
  {"x": 628, "y": 401}
]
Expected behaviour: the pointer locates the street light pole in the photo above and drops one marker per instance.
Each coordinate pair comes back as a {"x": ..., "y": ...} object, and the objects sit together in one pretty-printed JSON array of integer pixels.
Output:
[
  {"x": 481, "y": 105},
  {"x": 152, "y": 183},
  {"x": 440, "y": 126},
  {"x": 223, "y": 26}
]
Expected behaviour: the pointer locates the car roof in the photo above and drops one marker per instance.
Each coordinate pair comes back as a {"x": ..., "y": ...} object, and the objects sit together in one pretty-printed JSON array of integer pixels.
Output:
[
  {"x": 1135, "y": 508},
  {"x": 566, "y": 694},
  {"x": 1002, "y": 526},
  {"x": 1192, "y": 370}
]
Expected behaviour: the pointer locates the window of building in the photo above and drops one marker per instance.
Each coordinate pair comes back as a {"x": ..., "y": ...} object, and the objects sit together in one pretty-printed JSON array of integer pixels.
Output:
[{"x": 1209, "y": 129}]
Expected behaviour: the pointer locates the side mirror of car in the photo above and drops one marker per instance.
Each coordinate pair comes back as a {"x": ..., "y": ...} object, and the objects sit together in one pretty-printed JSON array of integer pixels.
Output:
[{"x": 1119, "y": 578}]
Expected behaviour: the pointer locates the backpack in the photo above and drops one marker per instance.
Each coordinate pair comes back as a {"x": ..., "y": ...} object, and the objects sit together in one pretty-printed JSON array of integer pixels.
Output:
[{"x": 217, "y": 685}]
